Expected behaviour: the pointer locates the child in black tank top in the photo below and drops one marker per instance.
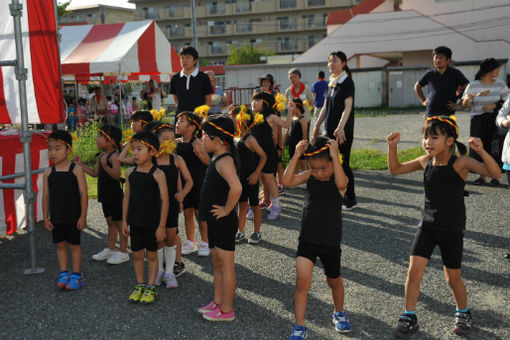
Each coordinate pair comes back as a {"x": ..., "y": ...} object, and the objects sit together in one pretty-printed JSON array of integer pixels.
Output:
[
  {"x": 176, "y": 172},
  {"x": 144, "y": 210},
  {"x": 298, "y": 130},
  {"x": 65, "y": 204},
  {"x": 109, "y": 191},
  {"x": 252, "y": 159},
  {"x": 190, "y": 148},
  {"x": 138, "y": 119},
  {"x": 321, "y": 226},
  {"x": 220, "y": 193},
  {"x": 444, "y": 214}
]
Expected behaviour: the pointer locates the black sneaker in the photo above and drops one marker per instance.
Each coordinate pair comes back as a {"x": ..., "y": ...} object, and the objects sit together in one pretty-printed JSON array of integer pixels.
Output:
[
  {"x": 179, "y": 269},
  {"x": 349, "y": 204},
  {"x": 463, "y": 323},
  {"x": 507, "y": 256},
  {"x": 407, "y": 324}
]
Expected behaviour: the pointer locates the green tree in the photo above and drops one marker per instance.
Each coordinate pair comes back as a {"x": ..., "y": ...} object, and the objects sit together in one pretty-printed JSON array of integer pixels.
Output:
[
  {"x": 247, "y": 54},
  {"x": 62, "y": 8}
]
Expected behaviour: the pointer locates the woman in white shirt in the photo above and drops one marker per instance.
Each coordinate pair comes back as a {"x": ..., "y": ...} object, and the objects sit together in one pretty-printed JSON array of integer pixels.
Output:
[{"x": 482, "y": 97}]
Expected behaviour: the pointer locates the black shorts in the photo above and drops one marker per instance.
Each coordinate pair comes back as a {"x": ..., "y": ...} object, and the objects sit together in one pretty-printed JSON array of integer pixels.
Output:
[
  {"x": 450, "y": 244},
  {"x": 143, "y": 238},
  {"x": 250, "y": 193},
  {"x": 67, "y": 232},
  {"x": 222, "y": 233},
  {"x": 172, "y": 221},
  {"x": 192, "y": 199},
  {"x": 329, "y": 256},
  {"x": 113, "y": 209}
]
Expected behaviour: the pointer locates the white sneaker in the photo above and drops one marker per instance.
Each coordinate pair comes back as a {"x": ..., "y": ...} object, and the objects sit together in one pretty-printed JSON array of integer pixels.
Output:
[
  {"x": 204, "y": 249},
  {"x": 189, "y": 247},
  {"x": 159, "y": 278},
  {"x": 118, "y": 258},
  {"x": 104, "y": 254},
  {"x": 171, "y": 281}
]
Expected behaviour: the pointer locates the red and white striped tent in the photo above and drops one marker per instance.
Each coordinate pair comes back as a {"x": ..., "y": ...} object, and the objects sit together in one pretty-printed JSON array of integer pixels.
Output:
[
  {"x": 136, "y": 50},
  {"x": 40, "y": 48}
]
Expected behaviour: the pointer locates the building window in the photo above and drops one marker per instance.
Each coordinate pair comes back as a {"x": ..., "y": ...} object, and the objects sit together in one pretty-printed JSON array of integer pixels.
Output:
[
  {"x": 288, "y": 4},
  {"x": 244, "y": 27},
  {"x": 310, "y": 41},
  {"x": 287, "y": 44},
  {"x": 287, "y": 23},
  {"x": 175, "y": 31},
  {"x": 218, "y": 27},
  {"x": 218, "y": 47},
  {"x": 243, "y": 7},
  {"x": 316, "y": 2},
  {"x": 150, "y": 13},
  {"x": 216, "y": 8}
]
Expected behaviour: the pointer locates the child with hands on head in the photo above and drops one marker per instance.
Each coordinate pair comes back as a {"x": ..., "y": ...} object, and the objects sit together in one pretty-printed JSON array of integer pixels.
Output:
[
  {"x": 190, "y": 148},
  {"x": 252, "y": 159},
  {"x": 321, "y": 226},
  {"x": 65, "y": 203},
  {"x": 145, "y": 210},
  {"x": 109, "y": 191},
  {"x": 218, "y": 199},
  {"x": 444, "y": 214},
  {"x": 174, "y": 167},
  {"x": 138, "y": 120}
]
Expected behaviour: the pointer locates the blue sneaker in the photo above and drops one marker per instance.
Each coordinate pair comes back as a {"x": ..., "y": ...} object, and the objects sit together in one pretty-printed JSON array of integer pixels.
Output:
[
  {"x": 298, "y": 333},
  {"x": 63, "y": 279},
  {"x": 75, "y": 282},
  {"x": 341, "y": 322}
]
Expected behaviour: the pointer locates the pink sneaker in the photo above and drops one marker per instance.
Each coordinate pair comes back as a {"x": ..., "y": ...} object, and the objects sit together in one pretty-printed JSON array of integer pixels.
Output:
[
  {"x": 209, "y": 307},
  {"x": 263, "y": 204},
  {"x": 218, "y": 315}
]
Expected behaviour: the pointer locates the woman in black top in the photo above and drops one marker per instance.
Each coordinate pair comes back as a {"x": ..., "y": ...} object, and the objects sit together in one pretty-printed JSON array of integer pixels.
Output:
[{"x": 338, "y": 114}]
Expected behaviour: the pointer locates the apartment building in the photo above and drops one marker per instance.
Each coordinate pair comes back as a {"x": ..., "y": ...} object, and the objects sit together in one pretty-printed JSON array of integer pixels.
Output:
[
  {"x": 281, "y": 26},
  {"x": 97, "y": 14}
]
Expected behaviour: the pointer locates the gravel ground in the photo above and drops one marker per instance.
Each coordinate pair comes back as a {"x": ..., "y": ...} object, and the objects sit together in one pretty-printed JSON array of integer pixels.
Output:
[{"x": 376, "y": 241}]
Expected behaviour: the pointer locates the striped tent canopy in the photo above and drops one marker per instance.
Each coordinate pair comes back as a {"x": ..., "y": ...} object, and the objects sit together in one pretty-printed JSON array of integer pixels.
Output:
[
  {"x": 136, "y": 50},
  {"x": 45, "y": 101}
]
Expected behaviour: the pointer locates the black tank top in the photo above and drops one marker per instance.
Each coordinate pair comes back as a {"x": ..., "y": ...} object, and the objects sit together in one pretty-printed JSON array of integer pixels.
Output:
[
  {"x": 321, "y": 222},
  {"x": 108, "y": 188},
  {"x": 194, "y": 164},
  {"x": 263, "y": 133},
  {"x": 247, "y": 158},
  {"x": 444, "y": 198},
  {"x": 214, "y": 191},
  {"x": 144, "y": 208},
  {"x": 65, "y": 206},
  {"x": 172, "y": 176},
  {"x": 295, "y": 132}
]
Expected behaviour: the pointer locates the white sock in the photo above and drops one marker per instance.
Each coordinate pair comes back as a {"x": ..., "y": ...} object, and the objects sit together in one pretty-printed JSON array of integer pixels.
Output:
[
  {"x": 160, "y": 259},
  {"x": 170, "y": 253},
  {"x": 276, "y": 201}
]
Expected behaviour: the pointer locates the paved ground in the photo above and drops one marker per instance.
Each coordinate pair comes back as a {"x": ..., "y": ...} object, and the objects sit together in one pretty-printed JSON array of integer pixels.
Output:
[{"x": 376, "y": 243}]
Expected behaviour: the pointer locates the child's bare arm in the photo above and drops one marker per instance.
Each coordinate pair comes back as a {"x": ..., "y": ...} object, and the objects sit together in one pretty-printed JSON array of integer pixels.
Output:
[
  {"x": 290, "y": 177},
  {"x": 227, "y": 169},
  {"x": 46, "y": 201},
  {"x": 186, "y": 176},
  {"x": 160, "y": 178},
  {"x": 93, "y": 172},
  {"x": 198, "y": 149},
  {"x": 125, "y": 204},
  {"x": 395, "y": 167},
  {"x": 84, "y": 198},
  {"x": 253, "y": 145},
  {"x": 123, "y": 156},
  {"x": 489, "y": 167}
]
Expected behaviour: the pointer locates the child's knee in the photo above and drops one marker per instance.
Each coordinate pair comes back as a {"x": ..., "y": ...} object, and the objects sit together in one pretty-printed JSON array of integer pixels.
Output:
[
  {"x": 138, "y": 255},
  {"x": 152, "y": 256},
  {"x": 334, "y": 283},
  {"x": 62, "y": 245}
]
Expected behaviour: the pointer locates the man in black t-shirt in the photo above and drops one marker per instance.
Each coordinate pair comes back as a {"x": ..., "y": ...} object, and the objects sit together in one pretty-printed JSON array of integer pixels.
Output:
[
  {"x": 190, "y": 87},
  {"x": 444, "y": 84}
]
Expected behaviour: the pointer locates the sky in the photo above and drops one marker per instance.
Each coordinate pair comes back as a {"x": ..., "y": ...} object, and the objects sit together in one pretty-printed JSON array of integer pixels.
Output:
[{"x": 79, "y": 3}]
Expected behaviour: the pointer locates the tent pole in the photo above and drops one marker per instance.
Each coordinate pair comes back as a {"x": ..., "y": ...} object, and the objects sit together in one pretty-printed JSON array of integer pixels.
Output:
[
  {"x": 25, "y": 135},
  {"x": 121, "y": 112}
]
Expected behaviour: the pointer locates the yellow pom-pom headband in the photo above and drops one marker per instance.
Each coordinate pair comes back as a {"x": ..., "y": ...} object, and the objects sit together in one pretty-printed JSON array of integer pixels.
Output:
[
  {"x": 165, "y": 125},
  {"x": 450, "y": 120},
  {"x": 202, "y": 111},
  {"x": 167, "y": 147},
  {"x": 280, "y": 102},
  {"x": 145, "y": 143},
  {"x": 128, "y": 134},
  {"x": 243, "y": 117},
  {"x": 221, "y": 129},
  {"x": 101, "y": 131},
  {"x": 158, "y": 115}
]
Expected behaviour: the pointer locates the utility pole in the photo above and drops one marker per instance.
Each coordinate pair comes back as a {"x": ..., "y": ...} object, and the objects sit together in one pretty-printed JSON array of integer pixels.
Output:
[
  {"x": 194, "y": 24},
  {"x": 101, "y": 13}
]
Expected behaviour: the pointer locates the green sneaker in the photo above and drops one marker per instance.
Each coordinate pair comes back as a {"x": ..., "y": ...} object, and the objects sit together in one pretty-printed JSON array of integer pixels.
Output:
[
  {"x": 239, "y": 236},
  {"x": 255, "y": 238},
  {"x": 136, "y": 294},
  {"x": 148, "y": 297}
]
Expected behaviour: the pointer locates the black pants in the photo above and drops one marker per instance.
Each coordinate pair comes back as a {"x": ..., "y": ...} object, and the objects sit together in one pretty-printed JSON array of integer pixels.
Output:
[
  {"x": 345, "y": 150},
  {"x": 483, "y": 126}
]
